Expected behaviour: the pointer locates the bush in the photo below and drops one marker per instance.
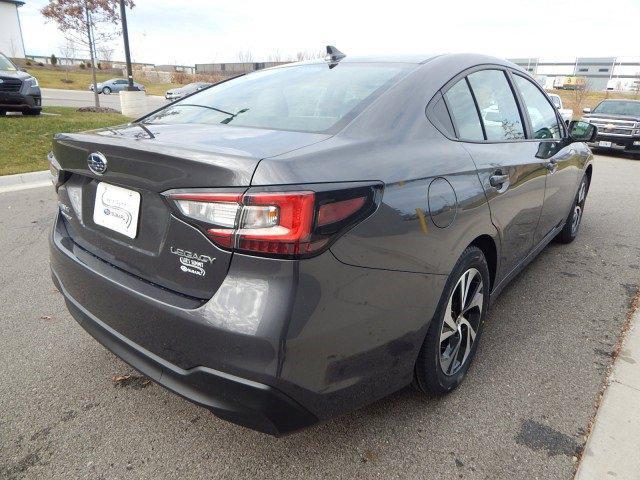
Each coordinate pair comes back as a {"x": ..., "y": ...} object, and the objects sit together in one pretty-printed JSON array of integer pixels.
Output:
[
  {"x": 82, "y": 66},
  {"x": 184, "y": 78},
  {"x": 28, "y": 63},
  {"x": 54, "y": 59},
  {"x": 99, "y": 65},
  {"x": 40, "y": 64}
]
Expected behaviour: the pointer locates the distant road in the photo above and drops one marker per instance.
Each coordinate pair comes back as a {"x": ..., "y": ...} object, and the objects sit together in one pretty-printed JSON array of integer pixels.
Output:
[{"x": 54, "y": 97}]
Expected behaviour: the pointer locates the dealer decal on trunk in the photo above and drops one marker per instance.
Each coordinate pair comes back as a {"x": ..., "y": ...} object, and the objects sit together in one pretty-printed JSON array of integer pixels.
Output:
[{"x": 191, "y": 262}]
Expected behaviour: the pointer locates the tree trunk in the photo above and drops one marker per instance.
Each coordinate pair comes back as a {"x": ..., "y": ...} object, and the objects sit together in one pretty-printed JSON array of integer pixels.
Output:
[{"x": 93, "y": 62}]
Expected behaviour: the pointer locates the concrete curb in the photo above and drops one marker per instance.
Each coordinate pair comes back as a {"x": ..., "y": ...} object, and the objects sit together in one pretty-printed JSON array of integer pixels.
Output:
[
  {"x": 23, "y": 181},
  {"x": 612, "y": 448}
]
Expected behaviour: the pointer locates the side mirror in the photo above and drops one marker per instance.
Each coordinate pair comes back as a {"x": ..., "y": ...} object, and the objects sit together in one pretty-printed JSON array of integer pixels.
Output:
[
  {"x": 580, "y": 131},
  {"x": 586, "y": 110}
]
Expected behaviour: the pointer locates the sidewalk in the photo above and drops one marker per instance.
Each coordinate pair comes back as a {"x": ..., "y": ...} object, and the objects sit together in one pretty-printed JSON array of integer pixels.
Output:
[
  {"x": 613, "y": 449},
  {"x": 23, "y": 181}
]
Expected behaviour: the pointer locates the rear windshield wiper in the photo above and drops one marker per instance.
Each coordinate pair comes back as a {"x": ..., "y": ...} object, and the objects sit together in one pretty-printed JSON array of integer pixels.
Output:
[
  {"x": 226, "y": 120},
  {"x": 234, "y": 115},
  {"x": 206, "y": 106}
]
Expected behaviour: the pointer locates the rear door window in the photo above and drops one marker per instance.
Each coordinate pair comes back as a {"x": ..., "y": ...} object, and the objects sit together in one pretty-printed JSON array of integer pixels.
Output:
[
  {"x": 497, "y": 105},
  {"x": 542, "y": 115},
  {"x": 463, "y": 112}
]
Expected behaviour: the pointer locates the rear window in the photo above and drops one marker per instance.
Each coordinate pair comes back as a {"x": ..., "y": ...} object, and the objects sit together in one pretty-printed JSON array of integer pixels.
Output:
[
  {"x": 618, "y": 107},
  {"x": 307, "y": 98}
]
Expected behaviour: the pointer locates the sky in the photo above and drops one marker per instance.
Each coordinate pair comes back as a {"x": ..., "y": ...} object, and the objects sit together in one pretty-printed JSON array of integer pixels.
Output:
[{"x": 203, "y": 31}]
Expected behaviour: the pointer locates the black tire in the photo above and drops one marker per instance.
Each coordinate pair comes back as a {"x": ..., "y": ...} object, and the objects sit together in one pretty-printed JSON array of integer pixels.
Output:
[
  {"x": 32, "y": 113},
  {"x": 429, "y": 373},
  {"x": 3, "y": 113},
  {"x": 572, "y": 225},
  {"x": 106, "y": 90}
]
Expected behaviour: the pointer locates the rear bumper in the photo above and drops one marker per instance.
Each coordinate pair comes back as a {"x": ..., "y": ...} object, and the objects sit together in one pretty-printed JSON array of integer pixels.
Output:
[
  {"x": 80, "y": 276},
  {"x": 241, "y": 401},
  {"x": 280, "y": 346}
]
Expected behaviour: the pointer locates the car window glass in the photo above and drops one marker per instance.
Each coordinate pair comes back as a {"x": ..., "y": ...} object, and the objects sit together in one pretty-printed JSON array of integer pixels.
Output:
[
  {"x": 542, "y": 115},
  {"x": 5, "y": 64},
  {"x": 309, "y": 98},
  {"x": 497, "y": 105},
  {"x": 618, "y": 107},
  {"x": 439, "y": 116},
  {"x": 464, "y": 113}
]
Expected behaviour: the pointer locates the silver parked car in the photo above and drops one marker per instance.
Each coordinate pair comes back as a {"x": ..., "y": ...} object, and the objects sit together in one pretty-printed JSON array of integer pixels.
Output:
[
  {"x": 115, "y": 85},
  {"x": 176, "y": 93}
]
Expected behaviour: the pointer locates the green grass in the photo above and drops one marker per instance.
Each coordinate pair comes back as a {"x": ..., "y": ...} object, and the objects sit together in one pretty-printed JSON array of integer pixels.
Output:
[
  {"x": 50, "y": 77},
  {"x": 25, "y": 141}
]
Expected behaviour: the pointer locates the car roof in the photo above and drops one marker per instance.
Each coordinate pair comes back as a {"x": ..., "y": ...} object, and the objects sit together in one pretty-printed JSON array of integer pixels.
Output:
[
  {"x": 417, "y": 59},
  {"x": 398, "y": 58}
]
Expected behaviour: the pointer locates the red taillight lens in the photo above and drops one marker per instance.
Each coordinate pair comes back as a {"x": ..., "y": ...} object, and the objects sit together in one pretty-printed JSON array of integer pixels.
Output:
[
  {"x": 337, "y": 211},
  {"x": 287, "y": 224},
  {"x": 291, "y": 234}
]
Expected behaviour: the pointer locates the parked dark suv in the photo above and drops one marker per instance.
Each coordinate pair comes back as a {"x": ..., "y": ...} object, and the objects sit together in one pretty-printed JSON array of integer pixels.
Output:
[
  {"x": 618, "y": 123},
  {"x": 292, "y": 244},
  {"x": 19, "y": 91}
]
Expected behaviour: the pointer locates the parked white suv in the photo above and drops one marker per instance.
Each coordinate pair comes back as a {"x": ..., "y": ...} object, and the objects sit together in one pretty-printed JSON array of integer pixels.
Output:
[{"x": 565, "y": 113}]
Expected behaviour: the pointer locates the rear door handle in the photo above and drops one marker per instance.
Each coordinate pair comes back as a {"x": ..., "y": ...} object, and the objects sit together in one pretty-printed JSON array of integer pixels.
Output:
[{"x": 498, "y": 181}]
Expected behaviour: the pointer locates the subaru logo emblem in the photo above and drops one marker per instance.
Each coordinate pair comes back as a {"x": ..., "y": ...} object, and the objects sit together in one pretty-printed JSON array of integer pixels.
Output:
[
  {"x": 97, "y": 163},
  {"x": 1, "y": 80}
]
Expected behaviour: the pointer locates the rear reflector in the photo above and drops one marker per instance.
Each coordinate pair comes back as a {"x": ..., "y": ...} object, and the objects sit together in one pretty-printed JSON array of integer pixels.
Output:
[{"x": 284, "y": 224}]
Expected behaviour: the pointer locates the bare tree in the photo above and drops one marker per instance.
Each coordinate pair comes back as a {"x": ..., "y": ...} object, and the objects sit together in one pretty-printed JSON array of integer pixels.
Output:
[
  {"x": 635, "y": 87},
  {"x": 68, "y": 50},
  {"x": 580, "y": 94},
  {"x": 275, "y": 56},
  {"x": 309, "y": 55},
  {"x": 79, "y": 20},
  {"x": 105, "y": 54},
  {"x": 245, "y": 56}
]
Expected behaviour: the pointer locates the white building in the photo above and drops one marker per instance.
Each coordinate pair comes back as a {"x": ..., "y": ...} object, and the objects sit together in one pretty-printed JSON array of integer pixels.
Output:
[
  {"x": 600, "y": 72},
  {"x": 11, "y": 43}
]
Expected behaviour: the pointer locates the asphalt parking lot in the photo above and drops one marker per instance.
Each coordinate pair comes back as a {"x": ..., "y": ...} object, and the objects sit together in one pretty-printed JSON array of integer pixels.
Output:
[{"x": 521, "y": 414}]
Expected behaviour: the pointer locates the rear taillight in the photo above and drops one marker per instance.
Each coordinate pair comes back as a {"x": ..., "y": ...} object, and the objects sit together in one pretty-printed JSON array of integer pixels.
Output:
[
  {"x": 58, "y": 176},
  {"x": 289, "y": 224}
]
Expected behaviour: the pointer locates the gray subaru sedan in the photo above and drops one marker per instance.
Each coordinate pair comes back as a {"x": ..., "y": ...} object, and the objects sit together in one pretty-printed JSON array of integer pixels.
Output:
[{"x": 290, "y": 245}]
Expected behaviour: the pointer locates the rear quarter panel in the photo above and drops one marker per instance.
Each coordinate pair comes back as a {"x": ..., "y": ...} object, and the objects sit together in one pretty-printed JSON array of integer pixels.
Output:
[
  {"x": 401, "y": 234},
  {"x": 392, "y": 141}
]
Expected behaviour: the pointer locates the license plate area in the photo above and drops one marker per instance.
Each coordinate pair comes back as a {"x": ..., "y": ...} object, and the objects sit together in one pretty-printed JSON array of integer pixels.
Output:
[
  {"x": 603, "y": 143},
  {"x": 117, "y": 209}
]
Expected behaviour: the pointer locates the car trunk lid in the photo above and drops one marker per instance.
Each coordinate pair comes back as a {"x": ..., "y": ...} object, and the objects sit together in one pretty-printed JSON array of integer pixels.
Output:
[{"x": 148, "y": 160}]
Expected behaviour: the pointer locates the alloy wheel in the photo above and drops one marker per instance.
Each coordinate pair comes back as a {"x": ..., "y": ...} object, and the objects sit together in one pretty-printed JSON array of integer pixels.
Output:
[
  {"x": 578, "y": 208},
  {"x": 461, "y": 321}
]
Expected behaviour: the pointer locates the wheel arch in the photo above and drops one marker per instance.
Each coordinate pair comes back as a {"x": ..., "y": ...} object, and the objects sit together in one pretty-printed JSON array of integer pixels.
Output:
[
  {"x": 488, "y": 246},
  {"x": 589, "y": 172}
]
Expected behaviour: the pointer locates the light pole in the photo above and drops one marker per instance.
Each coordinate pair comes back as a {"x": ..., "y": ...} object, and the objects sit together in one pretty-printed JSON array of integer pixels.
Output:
[
  {"x": 91, "y": 41},
  {"x": 127, "y": 53}
]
